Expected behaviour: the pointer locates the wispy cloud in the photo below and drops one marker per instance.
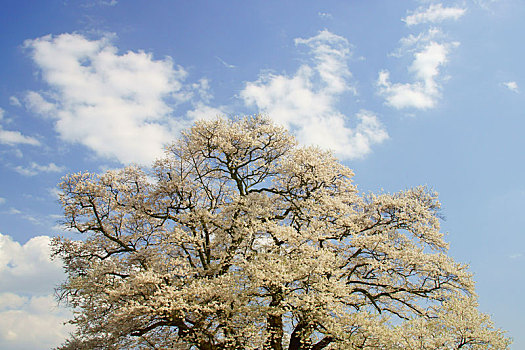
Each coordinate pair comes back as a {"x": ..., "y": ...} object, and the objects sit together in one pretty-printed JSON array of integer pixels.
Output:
[
  {"x": 512, "y": 86},
  {"x": 486, "y": 4},
  {"x": 92, "y": 3},
  {"x": 54, "y": 192},
  {"x": 108, "y": 2},
  {"x": 435, "y": 13},
  {"x": 225, "y": 64},
  {"x": 325, "y": 15},
  {"x": 14, "y": 101},
  {"x": 11, "y": 138},
  {"x": 306, "y": 101},
  {"x": 13, "y": 211},
  {"x": 35, "y": 168}
]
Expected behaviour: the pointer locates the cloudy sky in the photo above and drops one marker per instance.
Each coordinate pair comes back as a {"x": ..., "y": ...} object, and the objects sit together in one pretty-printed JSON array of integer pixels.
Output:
[{"x": 404, "y": 92}]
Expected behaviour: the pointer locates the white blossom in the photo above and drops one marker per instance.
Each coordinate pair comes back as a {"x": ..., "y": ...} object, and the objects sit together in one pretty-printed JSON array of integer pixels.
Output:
[{"x": 240, "y": 239}]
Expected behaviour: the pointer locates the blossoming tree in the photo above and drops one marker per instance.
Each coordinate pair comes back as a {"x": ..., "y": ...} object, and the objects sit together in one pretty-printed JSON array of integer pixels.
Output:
[{"x": 240, "y": 239}]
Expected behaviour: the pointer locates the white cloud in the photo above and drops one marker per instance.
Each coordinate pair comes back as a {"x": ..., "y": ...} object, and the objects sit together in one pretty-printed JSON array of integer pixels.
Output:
[
  {"x": 35, "y": 102},
  {"x": 116, "y": 104},
  {"x": 331, "y": 53},
  {"x": 202, "y": 89},
  {"x": 424, "y": 91},
  {"x": 120, "y": 105},
  {"x": 430, "y": 50},
  {"x": 12, "y": 138},
  {"x": 28, "y": 268},
  {"x": 29, "y": 315},
  {"x": 202, "y": 111},
  {"x": 331, "y": 132},
  {"x": 306, "y": 102},
  {"x": 426, "y": 64},
  {"x": 32, "y": 323},
  {"x": 2, "y": 200},
  {"x": 512, "y": 86},
  {"x": 35, "y": 168},
  {"x": 433, "y": 14}
]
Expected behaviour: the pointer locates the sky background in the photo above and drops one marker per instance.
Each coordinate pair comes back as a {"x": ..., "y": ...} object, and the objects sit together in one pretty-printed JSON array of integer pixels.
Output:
[{"x": 406, "y": 93}]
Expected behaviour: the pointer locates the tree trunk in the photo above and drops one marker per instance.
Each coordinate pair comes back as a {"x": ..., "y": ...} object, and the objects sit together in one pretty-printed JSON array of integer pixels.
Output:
[{"x": 275, "y": 325}]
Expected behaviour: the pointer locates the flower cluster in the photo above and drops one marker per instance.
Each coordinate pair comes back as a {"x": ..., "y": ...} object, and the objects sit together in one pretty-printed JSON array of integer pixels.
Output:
[{"x": 240, "y": 239}]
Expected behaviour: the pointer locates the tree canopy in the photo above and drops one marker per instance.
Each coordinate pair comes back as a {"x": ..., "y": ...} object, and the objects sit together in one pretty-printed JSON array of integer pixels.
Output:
[{"x": 241, "y": 239}]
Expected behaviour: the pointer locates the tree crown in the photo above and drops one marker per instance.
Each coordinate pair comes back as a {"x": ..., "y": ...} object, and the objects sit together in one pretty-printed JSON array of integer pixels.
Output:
[{"x": 240, "y": 239}]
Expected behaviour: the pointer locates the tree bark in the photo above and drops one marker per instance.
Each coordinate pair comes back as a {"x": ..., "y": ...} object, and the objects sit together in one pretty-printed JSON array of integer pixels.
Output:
[{"x": 275, "y": 325}]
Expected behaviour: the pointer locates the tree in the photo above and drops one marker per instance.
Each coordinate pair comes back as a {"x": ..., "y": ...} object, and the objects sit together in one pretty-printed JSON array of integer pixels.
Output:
[{"x": 240, "y": 239}]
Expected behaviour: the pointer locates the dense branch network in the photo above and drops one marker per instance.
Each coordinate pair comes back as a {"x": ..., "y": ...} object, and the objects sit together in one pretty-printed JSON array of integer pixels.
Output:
[{"x": 240, "y": 239}]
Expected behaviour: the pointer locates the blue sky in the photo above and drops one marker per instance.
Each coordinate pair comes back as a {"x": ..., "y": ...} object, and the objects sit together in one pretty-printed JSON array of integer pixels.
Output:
[{"x": 405, "y": 93}]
